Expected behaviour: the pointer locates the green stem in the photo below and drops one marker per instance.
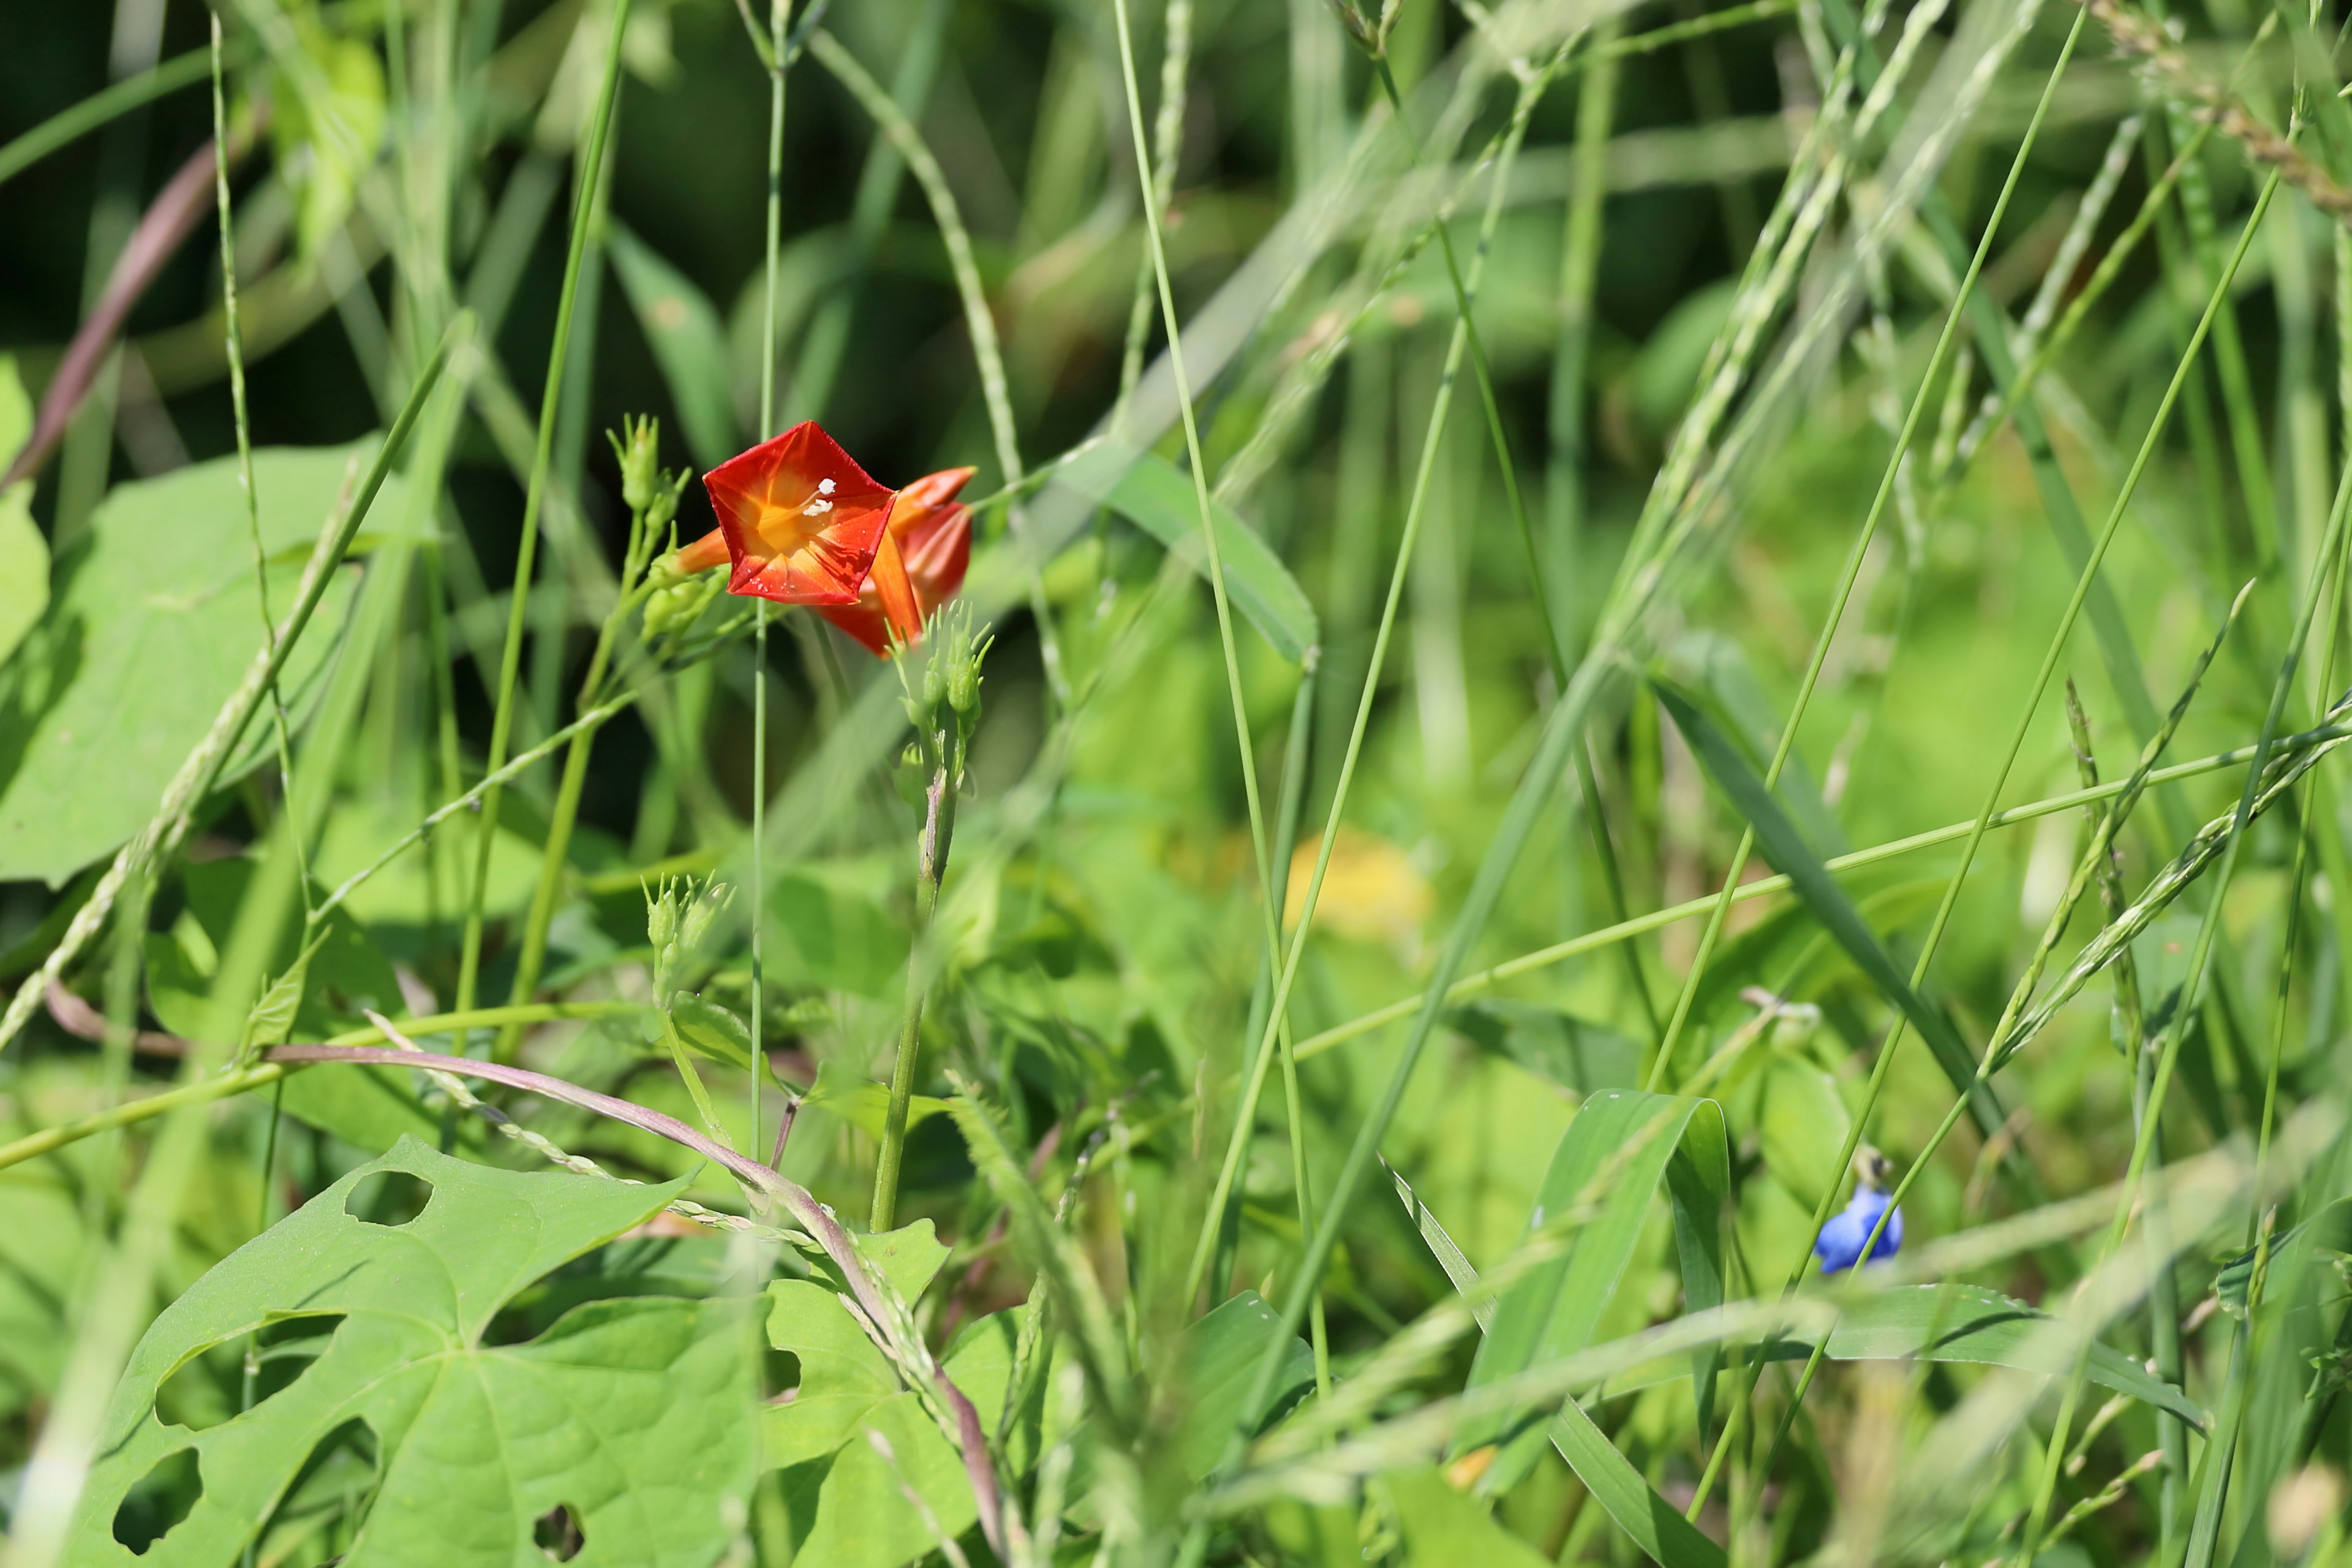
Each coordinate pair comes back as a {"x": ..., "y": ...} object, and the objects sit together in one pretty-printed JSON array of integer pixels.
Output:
[
  {"x": 779, "y": 18},
  {"x": 469, "y": 962},
  {"x": 938, "y": 831}
]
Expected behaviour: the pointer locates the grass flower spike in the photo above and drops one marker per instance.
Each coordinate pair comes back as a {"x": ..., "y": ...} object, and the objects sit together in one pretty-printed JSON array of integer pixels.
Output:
[{"x": 799, "y": 519}]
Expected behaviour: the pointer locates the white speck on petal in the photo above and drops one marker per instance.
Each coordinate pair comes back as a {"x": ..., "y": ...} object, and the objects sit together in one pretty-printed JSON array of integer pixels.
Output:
[
  {"x": 817, "y": 507},
  {"x": 824, "y": 487}
]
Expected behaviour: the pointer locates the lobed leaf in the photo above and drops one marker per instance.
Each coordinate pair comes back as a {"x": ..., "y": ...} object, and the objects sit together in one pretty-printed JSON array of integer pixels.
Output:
[{"x": 634, "y": 1415}]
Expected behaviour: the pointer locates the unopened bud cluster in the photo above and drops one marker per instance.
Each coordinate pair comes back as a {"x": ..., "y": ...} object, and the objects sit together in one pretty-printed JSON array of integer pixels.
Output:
[
  {"x": 948, "y": 695},
  {"x": 678, "y": 913}
]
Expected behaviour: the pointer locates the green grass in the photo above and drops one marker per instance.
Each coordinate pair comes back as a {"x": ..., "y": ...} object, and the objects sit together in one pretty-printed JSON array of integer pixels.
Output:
[{"x": 1585, "y": 632}]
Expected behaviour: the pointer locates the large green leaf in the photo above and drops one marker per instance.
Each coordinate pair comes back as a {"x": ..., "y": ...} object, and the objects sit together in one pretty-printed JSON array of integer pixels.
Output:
[
  {"x": 634, "y": 1415},
  {"x": 1613, "y": 1156},
  {"x": 1153, "y": 494},
  {"x": 688, "y": 342},
  {"x": 153, "y": 624},
  {"x": 1794, "y": 859},
  {"x": 24, "y": 553}
]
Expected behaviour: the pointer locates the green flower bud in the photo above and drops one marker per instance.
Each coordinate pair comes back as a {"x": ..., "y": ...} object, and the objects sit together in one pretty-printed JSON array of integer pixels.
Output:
[
  {"x": 638, "y": 447},
  {"x": 703, "y": 910}
]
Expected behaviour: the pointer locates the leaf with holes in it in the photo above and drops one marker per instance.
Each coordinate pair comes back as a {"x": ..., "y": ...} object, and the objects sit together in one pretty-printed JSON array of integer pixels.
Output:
[{"x": 625, "y": 1429}]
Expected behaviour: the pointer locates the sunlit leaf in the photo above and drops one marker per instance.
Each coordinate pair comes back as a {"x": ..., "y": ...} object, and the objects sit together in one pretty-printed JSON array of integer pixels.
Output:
[
  {"x": 634, "y": 1415},
  {"x": 152, "y": 624}
]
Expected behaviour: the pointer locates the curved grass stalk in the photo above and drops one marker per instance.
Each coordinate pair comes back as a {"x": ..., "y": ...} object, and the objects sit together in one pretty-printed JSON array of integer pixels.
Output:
[
  {"x": 1764, "y": 887},
  {"x": 1158, "y": 187},
  {"x": 1859, "y": 550},
  {"x": 69, "y": 125},
  {"x": 774, "y": 58},
  {"x": 235, "y": 345},
  {"x": 1245, "y": 1117},
  {"x": 2168, "y": 1053},
  {"x": 1269, "y": 909}
]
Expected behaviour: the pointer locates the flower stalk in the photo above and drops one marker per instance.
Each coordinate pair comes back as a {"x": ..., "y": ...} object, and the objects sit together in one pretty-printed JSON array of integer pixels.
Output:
[{"x": 944, "y": 709}]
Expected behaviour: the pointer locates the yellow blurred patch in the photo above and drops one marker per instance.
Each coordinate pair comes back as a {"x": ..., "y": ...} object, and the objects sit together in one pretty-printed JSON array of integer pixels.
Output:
[{"x": 1371, "y": 892}]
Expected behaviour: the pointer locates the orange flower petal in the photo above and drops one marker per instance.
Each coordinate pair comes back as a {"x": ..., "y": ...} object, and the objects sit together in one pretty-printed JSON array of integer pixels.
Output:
[
  {"x": 802, "y": 521},
  {"x": 926, "y": 550}
]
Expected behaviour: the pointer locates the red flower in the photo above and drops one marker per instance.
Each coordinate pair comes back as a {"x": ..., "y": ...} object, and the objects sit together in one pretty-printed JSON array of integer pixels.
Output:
[
  {"x": 917, "y": 567},
  {"x": 799, "y": 519},
  {"x": 874, "y": 562}
]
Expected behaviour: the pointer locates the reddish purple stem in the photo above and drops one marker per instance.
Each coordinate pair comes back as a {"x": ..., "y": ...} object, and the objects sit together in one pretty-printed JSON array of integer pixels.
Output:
[{"x": 169, "y": 221}]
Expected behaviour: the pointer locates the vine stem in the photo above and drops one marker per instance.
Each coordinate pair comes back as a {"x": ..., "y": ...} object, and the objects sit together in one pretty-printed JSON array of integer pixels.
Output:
[
  {"x": 938, "y": 831},
  {"x": 469, "y": 961}
]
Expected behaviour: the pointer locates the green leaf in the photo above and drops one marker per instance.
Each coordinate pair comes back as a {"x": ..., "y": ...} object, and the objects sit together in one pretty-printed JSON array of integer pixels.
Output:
[
  {"x": 847, "y": 1390},
  {"x": 1652, "y": 1522},
  {"x": 272, "y": 1018},
  {"x": 1221, "y": 1353},
  {"x": 833, "y": 933},
  {"x": 635, "y": 1414},
  {"x": 1615, "y": 1154},
  {"x": 908, "y": 1258},
  {"x": 1445, "y": 1527},
  {"x": 1973, "y": 1326},
  {"x": 24, "y": 553},
  {"x": 1648, "y": 1520},
  {"x": 711, "y": 1030},
  {"x": 1972, "y": 1323},
  {"x": 153, "y": 625},
  {"x": 1150, "y": 492},
  {"x": 862, "y": 1102},
  {"x": 1791, "y": 856},
  {"x": 688, "y": 342}
]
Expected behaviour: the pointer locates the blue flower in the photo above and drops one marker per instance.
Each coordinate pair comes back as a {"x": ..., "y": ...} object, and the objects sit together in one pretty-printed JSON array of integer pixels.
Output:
[{"x": 1839, "y": 1246}]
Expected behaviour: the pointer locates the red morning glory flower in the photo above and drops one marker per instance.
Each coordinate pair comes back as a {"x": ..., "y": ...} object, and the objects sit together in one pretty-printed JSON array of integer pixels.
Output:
[
  {"x": 799, "y": 519},
  {"x": 871, "y": 561}
]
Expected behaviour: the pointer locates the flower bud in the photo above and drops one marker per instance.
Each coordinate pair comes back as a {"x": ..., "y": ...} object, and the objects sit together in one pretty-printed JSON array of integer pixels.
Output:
[
  {"x": 638, "y": 447},
  {"x": 677, "y": 603},
  {"x": 703, "y": 910},
  {"x": 661, "y": 918}
]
